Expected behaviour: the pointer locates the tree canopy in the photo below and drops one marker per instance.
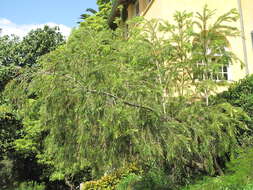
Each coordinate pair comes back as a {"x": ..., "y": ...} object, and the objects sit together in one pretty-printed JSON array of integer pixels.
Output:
[
  {"x": 106, "y": 99},
  {"x": 19, "y": 57}
]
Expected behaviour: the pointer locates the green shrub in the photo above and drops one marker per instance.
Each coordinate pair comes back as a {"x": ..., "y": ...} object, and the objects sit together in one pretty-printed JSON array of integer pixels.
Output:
[
  {"x": 239, "y": 176},
  {"x": 248, "y": 187},
  {"x": 240, "y": 94},
  {"x": 154, "y": 178},
  {"x": 110, "y": 182},
  {"x": 132, "y": 178},
  {"x": 128, "y": 182},
  {"x": 31, "y": 186},
  {"x": 239, "y": 172}
]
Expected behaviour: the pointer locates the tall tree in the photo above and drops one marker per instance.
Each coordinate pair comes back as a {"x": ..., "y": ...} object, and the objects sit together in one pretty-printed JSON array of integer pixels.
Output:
[
  {"x": 37, "y": 43},
  {"x": 16, "y": 53},
  {"x": 106, "y": 99},
  {"x": 19, "y": 57}
]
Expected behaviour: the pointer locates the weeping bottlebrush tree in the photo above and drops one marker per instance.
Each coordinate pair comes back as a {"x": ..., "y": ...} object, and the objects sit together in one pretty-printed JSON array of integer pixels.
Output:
[{"x": 107, "y": 99}]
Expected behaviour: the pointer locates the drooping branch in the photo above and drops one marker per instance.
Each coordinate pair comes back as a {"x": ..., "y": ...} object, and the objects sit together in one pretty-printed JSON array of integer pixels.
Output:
[
  {"x": 123, "y": 101},
  {"x": 103, "y": 93}
]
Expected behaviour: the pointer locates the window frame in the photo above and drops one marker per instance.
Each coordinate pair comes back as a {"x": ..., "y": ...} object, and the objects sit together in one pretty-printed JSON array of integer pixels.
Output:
[{"x": 221, "y": 75}]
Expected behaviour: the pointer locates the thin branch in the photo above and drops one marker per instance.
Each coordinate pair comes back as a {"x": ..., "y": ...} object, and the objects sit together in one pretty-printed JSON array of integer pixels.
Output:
[
  {"x": 104, "y": 93},
  {"x": 123, "y": 101}
]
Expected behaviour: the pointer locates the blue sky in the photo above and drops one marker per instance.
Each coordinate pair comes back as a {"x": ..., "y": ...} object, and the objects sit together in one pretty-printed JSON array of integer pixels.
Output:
[{"x": 26, "y": 14}]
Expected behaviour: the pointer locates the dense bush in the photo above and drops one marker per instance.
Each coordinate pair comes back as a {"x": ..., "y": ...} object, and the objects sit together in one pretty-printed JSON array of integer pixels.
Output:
[
  {"x": 148, "y": 178},
  {"x": 152, "y": 178},
  {"x": 240, "y": 94},
  {"x": 30, "y": 186},
  {"x": 239, "y": 176},
  {"x": 110, "y": 181},
  {"x": 9, "y": 131}
]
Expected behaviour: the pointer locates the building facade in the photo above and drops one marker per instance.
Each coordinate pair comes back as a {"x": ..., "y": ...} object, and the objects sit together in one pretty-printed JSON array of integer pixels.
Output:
[{"x": 164, "y": 9}]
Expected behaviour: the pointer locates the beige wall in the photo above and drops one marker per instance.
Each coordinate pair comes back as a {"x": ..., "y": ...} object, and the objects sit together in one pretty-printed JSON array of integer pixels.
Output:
[
  {"x": 247, "y": 7},
  {"x": 164, "y": 9}
]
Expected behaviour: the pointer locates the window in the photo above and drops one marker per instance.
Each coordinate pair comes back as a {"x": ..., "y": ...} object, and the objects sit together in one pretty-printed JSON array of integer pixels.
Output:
[
  {"x": 222, "y": 73},
  {"x": 218, "y": 68},
  {"x": 213, "y": 59}
]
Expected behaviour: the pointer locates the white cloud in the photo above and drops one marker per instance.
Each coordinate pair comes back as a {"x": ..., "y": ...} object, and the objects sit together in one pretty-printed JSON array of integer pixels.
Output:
[
  {"x": 4, "y": 21},
  {"x": 9, "y": 28}
]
